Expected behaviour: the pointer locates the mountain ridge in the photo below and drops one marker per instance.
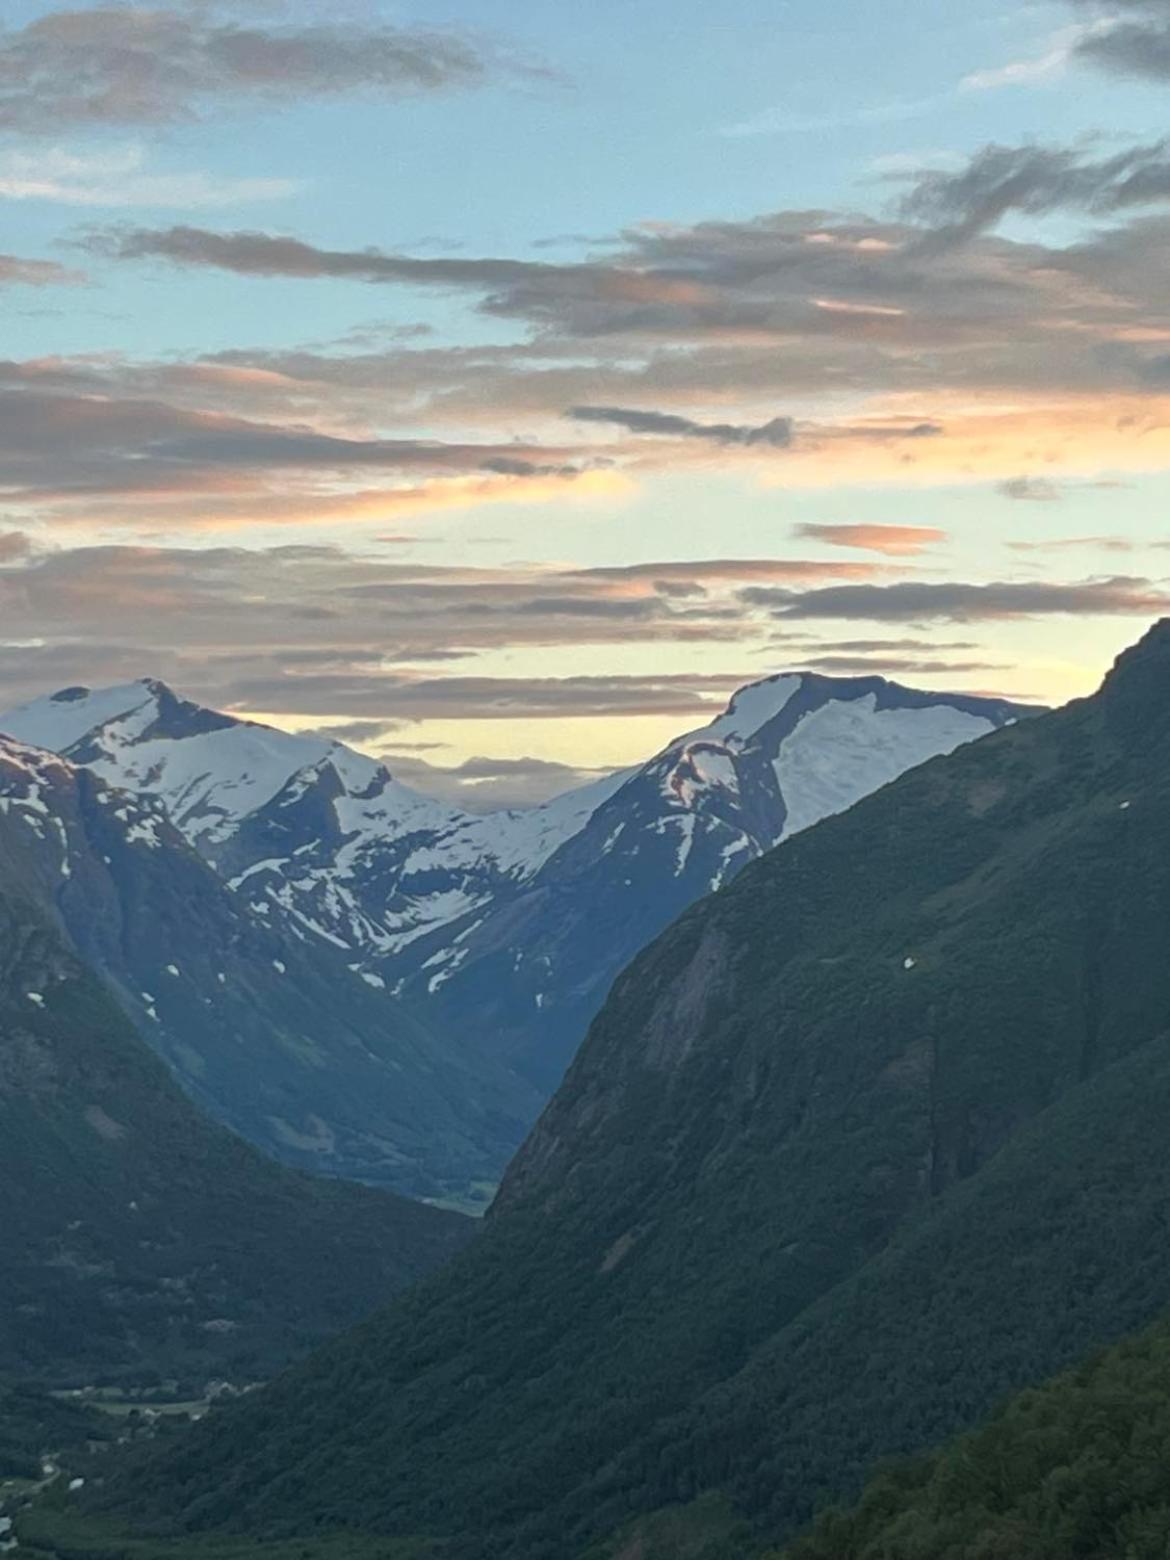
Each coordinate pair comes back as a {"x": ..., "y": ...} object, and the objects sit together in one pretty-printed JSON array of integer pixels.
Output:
[
  {"x": 270, "y": 1031},
  {"x": 902, "y": 1083},
  {"x": 140, "y": 1239},
  {"x": 505, "y": 930}
]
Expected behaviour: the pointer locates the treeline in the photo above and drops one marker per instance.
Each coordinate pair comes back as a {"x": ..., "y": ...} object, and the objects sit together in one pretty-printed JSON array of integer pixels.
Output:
[
  {"x": 33, "y": 1423},
  {"x": 1078, "y": 1469}
]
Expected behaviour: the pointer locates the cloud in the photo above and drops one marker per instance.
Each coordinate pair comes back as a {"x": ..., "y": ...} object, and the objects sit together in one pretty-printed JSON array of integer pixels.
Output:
[
  {"x": 131, "y": 65},
  {"x": 714, "y": 570},
  {"x": 265, "y": 254},
  {"x": 334, "y": 636},
  {"x": 776, "y": 433},
  {"x": 897, "y": 666},
  {"x": 898, "y": 362},
  {"x": 13, "y": 545},
  {"x": 316, "y": 618},
  {"x": 16, "y": 272},
  {"x": 120, "y": 178},
  {"x": 57, "y": 446},
  {"x": 1115, "y": 544},
  {"x": 483, "y": 784},
  {"x": 1132, "y": 38},
  {"x": 1047, "y": 66},
  {"x": 1036, "y": 180},
  {"x": 783, "y": 121},
  {"x": 1030, "y": 490},
  {"x": 912, "y": 601},
  {"x": 893, "y": 540}
]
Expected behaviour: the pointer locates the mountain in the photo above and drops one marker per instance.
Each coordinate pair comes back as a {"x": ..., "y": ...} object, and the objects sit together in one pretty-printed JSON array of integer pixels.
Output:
[
  {"x": 326, "y": 833},
  {"x": 867, "y": 1140},
  {"x": 1079, "y": 1466},
  {"x": 138, "y": 1238},
  {"x": 266, "y": 1027},
  {"x": 504, "y": 930},
  {"x": 787, "y": 752}
]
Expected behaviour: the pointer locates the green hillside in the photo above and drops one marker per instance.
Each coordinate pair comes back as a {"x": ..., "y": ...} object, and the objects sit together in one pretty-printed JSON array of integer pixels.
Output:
[
  {"x": 139, "y": 1240},
  {"x": 1079, "y": 1467},
  {"x": 864, "y": 1143}
]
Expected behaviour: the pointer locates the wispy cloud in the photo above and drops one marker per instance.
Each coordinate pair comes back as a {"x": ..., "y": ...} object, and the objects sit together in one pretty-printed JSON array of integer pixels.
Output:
[
  {"x": 1036, "y": 181},
  {"x": 1047, "y": 65},
  {"x": 783, "y": 121},
  {"x": 1031, "y": 490},
  {"x": 18, "y": 272},
  {"x": 777, "y": 432},
  {"x": 895, "y": 541},
  {"x": 913, "y": 601},
  {"x": 1129, "y": 38},
  {"x": 121, "y": 177},
  {"x": 126, "y": 65}
]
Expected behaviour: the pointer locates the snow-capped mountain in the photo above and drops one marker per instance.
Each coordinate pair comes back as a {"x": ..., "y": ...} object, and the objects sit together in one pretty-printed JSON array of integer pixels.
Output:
[
  {"x": 263, "y": 1023},
  {"x": 505, "y": 930},
  {"x": 788, "y": 751},
  {"x": 305, "y": 823}
]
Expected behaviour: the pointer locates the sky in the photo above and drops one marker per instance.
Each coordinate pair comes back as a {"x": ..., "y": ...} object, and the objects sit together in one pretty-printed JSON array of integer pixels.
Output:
[{"x": 498, "y": 387}]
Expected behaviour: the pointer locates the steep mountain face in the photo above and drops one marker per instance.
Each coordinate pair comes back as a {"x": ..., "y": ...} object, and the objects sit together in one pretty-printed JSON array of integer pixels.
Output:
[
  {"x": 323, "y": 832},
  {"x": 139, "y": 1238},
  {"x": 505, "y": 930},
  {"x": 788, "y": 751},
  {"x": 265, "y": 1025},
  {"x": 866, "y": 1141}
]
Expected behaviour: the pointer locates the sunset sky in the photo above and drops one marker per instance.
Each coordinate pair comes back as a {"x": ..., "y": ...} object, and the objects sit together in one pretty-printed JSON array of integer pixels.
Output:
[{"x": 500, "y": 385}]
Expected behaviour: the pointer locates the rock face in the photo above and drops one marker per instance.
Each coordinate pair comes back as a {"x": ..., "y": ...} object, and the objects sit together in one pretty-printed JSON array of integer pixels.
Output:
[
  {"x": 860, "y": 1145},
  {"x": 502, "y": 932},
  {"x": 140, "y": 1240},
  {"x": 788, "y": 751},
  {"x": 266, "y": 1026}
]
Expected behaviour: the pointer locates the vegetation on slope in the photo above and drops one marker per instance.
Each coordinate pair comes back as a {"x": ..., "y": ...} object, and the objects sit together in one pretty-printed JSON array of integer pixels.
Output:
[
  {"x": 865, "y": 1142},
  {"x": 141, "y": 1240},
  {"x": 33, "y": 1423},
  {"x": 1078, "y": 1469}
]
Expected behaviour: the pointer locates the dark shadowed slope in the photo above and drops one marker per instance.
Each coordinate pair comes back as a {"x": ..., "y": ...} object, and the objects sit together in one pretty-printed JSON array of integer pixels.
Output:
[
  {"x": 865, "y": 1141},
  {"x": 270, "y": 1030},
  {"x": 136, "y": 1236},
  {"x": 1077, "y": 1467}
]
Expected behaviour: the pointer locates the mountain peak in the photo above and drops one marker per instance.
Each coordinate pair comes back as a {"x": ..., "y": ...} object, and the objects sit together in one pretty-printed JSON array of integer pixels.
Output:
[{"x": 1135, "y": 695}]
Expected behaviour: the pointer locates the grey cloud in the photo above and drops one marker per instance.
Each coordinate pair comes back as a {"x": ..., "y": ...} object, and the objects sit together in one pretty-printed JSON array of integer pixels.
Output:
[
  {"x": 124, "y": 65},
  {"x": 510, "y": 466},
  {"x": 789, "y": 304},
  {"x": 1031, "y": 490},
  {"x": 591, "y": 607},
  {"x": 357, "y": 732},
  {"x": 13, "y": 545},
  {"x": 715, "y": 569},
  {"x": 485, "y": 698},
  {"x": 897, "y": 666},
  {"x": 920, "y": 602},
  {"x": 313, "y": 621},
  {"x": 1036, "y": 180},
  {"x": 777, "y": 433},
  {"x": 264, "y": 254},
  {"x": 1117, "y": 544},
  {"x": 488, "y": 784},
  {"x": 1132, "y": 38},
  {"x": 58, "y": 443},
  {"x": 871, "y": 646},
  {"x": 17, "y": 272}
]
